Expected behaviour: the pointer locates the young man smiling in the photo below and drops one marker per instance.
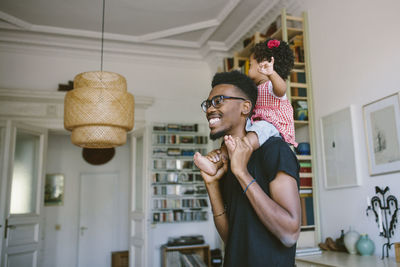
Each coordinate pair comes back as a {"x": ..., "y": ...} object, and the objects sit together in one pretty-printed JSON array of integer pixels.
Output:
[{"x": 255, "y": 200}]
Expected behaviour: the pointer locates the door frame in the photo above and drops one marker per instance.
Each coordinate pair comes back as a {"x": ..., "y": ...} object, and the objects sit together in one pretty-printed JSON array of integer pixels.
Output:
[
  {"x": 139, "y": 219},
  {"x": 3, "y": 180}
]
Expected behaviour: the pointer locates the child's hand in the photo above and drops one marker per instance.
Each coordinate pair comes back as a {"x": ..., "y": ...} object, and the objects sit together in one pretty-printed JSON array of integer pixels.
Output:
[{"x": 266, "y": 67}]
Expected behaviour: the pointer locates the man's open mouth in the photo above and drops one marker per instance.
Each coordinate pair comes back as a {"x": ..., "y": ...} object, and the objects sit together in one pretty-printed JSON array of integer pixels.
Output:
[{"x": 213, "y": 121}]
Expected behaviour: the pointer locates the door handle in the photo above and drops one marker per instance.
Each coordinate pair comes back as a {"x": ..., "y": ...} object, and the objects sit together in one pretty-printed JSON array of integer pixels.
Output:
[{"x": 8, "y": 226}]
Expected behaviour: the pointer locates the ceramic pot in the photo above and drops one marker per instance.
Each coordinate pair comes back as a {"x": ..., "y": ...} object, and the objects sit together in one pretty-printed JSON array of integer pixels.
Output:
[
  {"x": 303, "y": 148},
  {"x": 350, "y": 241},
  {"x": 365, "y": 246}
]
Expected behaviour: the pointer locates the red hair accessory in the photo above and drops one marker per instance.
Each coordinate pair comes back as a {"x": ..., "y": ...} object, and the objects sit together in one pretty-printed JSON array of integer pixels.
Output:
[{"x": 273, "y": 43}]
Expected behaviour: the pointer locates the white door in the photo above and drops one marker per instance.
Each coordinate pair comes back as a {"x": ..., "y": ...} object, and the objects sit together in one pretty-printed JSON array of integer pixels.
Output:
[
  {"x": 98, "y": 219},
  {"x": 138, "y": 240},
  {"x": 21, "y": 181}
]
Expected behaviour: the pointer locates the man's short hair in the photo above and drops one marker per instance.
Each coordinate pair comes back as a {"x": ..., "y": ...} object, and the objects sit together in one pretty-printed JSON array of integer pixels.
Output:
[{"x": 241, "y": 81}]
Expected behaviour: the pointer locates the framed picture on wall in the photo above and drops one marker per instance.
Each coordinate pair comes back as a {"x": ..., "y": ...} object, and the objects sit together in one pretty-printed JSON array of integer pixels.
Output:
[
  {"x": 54, "y": 190},
  {"x": 341, "y": 165},
  {"x": 382, "y": 129}
]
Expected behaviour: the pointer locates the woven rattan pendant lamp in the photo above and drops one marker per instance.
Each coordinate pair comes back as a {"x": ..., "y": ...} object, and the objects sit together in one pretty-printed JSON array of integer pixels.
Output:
[{"x": 99, "y": 110}]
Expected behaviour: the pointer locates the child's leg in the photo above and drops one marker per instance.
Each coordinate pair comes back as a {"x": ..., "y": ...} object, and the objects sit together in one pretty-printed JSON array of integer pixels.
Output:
[
  {"x": 260, "y": 131},
  {"x": 212, "y": 162}
]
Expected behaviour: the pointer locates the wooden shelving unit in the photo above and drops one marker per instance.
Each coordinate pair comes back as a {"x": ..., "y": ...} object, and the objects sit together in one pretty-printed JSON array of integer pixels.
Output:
[{"x": 294, "y": 31}]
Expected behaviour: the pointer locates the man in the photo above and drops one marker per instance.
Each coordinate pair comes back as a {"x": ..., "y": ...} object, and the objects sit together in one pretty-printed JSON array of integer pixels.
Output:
[{"x": 255, "y": 202}]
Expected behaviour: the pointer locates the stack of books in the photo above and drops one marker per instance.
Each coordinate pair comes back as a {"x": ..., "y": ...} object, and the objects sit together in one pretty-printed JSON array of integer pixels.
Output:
[{"x": 308, "y": 251}]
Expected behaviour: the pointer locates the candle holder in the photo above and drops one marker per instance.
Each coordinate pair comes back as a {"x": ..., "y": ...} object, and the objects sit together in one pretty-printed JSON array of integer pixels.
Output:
[{"x": 384, "y": 209}]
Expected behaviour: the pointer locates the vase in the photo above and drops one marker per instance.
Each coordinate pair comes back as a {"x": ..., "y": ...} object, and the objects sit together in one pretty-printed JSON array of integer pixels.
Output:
[
  {"x": 340, "y": 242},
  {"x": 350, "y": 241},
  {"x": 365, "y": 246}
]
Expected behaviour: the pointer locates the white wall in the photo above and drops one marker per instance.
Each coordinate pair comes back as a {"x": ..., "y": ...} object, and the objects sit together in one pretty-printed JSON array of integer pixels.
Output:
[
  {"x": 354, "y": 57},
  {"x": 61, "y": 246}
]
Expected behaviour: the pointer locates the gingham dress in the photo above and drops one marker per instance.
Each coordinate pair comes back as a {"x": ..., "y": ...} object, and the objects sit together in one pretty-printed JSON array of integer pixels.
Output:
[{"x": 275, "y": 110}]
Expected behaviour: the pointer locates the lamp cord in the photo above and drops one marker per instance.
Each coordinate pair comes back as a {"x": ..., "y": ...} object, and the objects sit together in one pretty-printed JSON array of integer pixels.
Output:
[{"x": 102, "y": 36}]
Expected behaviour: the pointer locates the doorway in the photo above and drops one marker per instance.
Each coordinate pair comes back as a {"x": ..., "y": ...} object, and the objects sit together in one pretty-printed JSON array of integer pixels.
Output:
[
  {"x": 62, "y": 223},
  {"x": 97, "y": 219}
]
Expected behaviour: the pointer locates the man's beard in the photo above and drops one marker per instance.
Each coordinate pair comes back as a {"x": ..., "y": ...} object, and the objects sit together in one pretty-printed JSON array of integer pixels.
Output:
[{"x": 217, "y": 135}]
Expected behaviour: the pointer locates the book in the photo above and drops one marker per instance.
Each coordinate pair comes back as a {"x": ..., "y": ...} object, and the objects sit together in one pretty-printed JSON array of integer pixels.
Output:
[
  {"x": 305, "y": 182},
  {"x": 308, "y": 251},
  {"x": 228, "y": 63},
  {"x": 305, "y": 191},
  {"x": 198, "y": 260},
  {"x": 309, "y": 210},
  {"x": 173, "y": 259},
  {"x": 303, "y": 211}
]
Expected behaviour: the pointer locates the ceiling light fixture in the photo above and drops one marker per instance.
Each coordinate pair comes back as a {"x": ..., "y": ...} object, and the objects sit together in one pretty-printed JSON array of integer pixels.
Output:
[{"x": 99, "y": 110}]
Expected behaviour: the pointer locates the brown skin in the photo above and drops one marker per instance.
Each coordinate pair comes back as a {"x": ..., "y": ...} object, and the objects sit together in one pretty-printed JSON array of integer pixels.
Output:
[
  {"x": 263, "y": 72},
  {"x": 280, "y": 213}
]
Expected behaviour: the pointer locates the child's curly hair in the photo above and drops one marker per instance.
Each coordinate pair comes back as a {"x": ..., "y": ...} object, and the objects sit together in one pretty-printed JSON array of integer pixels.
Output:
[{"x": 283, "y": 56}]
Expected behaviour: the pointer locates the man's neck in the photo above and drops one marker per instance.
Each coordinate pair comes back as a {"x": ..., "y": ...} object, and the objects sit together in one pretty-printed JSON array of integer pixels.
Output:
[{"x": 238, "y": 132}]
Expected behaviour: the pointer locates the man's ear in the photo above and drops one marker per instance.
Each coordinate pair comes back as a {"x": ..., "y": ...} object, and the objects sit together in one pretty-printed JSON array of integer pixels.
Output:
[{"x": 246, "y": 107}]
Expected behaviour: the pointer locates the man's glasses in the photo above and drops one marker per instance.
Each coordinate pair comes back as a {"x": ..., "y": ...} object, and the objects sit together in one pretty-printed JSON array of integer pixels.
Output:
[{"x": 216, "y": 101}]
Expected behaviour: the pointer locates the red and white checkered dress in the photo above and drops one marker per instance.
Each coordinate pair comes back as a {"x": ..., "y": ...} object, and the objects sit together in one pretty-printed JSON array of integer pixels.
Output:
[{"x": 275, "y": 110}]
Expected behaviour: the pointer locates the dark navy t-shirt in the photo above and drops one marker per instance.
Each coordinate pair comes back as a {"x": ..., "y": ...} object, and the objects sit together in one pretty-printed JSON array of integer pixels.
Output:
[{"x": 250, "y": 243}]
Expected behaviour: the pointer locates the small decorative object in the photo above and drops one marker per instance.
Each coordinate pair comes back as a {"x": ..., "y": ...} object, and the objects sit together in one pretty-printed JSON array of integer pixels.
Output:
[
  {"x": 350, "y": 240},
  {"x": 382, "y": 129},
  {"x": 99, "y": 110},
  {"x": 340, "y": 242},
  {"x": 301, "y": 114},
  {"x": 54, "y": 190},
  {"x": 328, "y": 245},
  {"x": 303, "y": 149},
  {"x": 301, "y": 110},
  {"x": 397, "y": 251},
  {"x": 365, "y": 246},
  {"x": 385, "y": 210}
]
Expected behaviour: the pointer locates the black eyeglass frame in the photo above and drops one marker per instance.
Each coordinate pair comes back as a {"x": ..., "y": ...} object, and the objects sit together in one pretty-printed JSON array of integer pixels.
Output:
[{"x": 206, "y": 104}]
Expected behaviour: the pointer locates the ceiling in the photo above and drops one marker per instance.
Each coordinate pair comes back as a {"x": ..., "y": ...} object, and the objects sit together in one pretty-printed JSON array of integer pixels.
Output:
[{"x": 216, "y": 24}]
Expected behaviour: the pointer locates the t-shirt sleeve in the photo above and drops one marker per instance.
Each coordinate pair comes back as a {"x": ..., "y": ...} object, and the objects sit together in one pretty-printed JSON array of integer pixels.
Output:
[{"x": 279, "y": 157}]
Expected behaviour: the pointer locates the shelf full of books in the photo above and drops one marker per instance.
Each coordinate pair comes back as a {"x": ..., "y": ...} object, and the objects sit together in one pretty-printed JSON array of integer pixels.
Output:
[
  {"x": 178, "y": 193},
  {"x": 306, "y": 195},
  {"x": 293, "y": 30}
]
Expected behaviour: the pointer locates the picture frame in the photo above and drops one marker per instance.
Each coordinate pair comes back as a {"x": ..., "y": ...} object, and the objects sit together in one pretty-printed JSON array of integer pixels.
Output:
[
  {"x": 341, "y": 165},
  {"x": 382, "y": 131},
  {"x": 54, "y": 189}
]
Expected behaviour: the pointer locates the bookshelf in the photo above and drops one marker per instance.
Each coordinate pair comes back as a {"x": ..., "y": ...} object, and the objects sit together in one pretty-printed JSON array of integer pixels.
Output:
[
  {"x": 178, "y": 193},
  {"x": 293, "y": 30}
]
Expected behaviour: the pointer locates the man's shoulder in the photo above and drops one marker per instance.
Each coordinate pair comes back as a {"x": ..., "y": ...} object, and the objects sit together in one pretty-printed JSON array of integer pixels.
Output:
[
  {"x": 275, "y": 145},
  {"x": 274, "y": 142}
]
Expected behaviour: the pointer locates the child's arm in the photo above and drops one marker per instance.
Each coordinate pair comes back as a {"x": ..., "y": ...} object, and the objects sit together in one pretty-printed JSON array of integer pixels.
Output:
[{"x": 279, "y": 85}]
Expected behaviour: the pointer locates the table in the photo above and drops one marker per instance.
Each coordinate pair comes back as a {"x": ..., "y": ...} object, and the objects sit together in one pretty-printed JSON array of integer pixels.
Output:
[{"x": 343, "y": 259}]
